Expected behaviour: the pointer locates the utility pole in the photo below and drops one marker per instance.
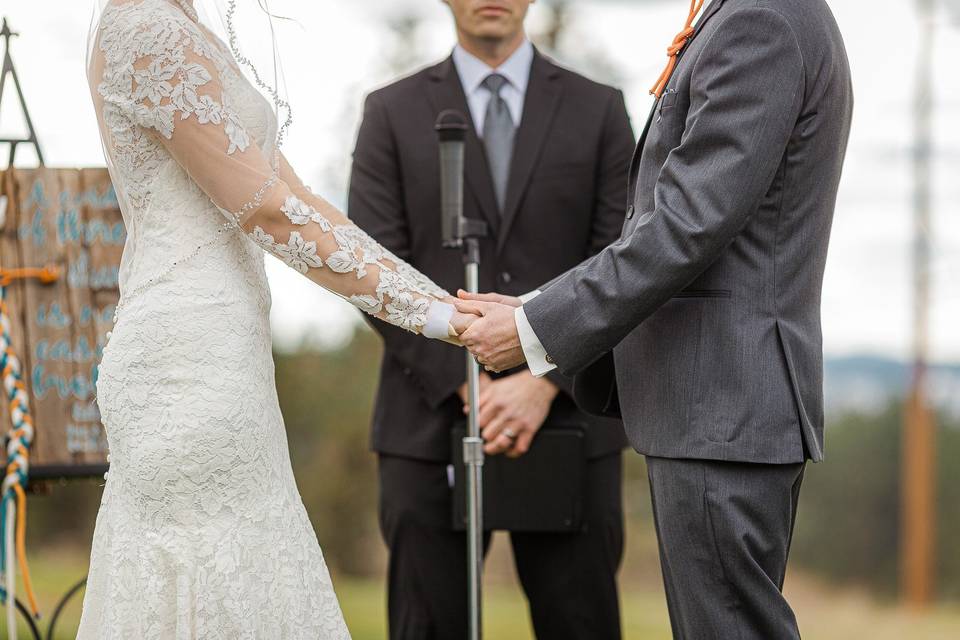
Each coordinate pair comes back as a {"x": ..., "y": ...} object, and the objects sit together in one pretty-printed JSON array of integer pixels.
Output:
[{"x": 918, "y": 495}]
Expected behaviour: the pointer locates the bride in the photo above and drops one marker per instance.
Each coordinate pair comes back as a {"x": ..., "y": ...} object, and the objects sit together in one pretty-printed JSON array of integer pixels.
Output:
[{"x": 201, "y": 531}]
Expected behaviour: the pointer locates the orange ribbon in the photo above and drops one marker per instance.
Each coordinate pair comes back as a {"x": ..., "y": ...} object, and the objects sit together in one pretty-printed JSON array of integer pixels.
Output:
[
  {"x": 46, "y": 275},
  {"x": 676, "y": 47}
]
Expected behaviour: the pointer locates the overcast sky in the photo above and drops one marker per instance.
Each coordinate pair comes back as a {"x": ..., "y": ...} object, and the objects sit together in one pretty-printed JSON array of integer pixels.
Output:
[{"x": 341, "y": 51}]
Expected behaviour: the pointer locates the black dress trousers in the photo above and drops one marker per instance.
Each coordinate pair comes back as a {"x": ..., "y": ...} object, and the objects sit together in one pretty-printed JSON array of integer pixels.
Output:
[{"x": 569, "y": 578}]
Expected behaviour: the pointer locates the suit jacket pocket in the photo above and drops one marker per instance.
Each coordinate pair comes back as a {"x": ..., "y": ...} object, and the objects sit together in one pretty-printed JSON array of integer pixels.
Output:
[
  {"x": 704, "y": 293},
  {"x": 668, "y": 100}
]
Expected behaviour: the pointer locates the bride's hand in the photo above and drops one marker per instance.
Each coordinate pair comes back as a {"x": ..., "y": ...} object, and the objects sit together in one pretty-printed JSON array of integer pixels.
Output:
[{"x": 460, "y": 322}]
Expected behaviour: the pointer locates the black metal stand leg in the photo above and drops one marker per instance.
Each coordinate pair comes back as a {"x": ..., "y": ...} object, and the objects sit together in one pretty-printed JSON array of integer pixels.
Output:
[
  {"x": 60, "y": 607},
  {"x": 31, "y": 623}
]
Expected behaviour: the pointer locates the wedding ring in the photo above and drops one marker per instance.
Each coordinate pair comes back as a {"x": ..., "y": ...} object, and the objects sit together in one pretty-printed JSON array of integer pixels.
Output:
[{"x": 510, "y": 434}]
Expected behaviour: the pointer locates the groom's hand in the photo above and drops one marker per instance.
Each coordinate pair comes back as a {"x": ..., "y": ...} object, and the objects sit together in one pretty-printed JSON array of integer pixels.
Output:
[
  {"x": 492, "y": 338},
  {"x": 511, "y": 301}
]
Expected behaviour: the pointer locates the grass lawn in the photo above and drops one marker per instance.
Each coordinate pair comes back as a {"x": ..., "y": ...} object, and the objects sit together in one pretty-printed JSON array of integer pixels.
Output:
[
  {"x": 822, "y": 617},
  {"x": 824, "y": 614}
]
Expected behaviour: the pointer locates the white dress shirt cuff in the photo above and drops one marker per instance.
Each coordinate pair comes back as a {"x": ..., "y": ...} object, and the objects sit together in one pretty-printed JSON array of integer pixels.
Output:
[
  {"x": 537, "y": 359},
  {"x": 438, "y": 320},
  {"x": 527, "y": 297}
]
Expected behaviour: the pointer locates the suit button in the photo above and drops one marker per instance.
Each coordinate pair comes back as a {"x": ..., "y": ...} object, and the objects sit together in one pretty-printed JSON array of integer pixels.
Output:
[
  {"x": 630, "y": 211},
  {"x": 407, "y": 371},
  {"x": 506, "y": 277}
]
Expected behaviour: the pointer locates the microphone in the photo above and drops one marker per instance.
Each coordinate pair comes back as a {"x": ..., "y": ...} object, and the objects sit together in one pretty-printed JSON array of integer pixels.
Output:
[{"x": 451, "y": 130}]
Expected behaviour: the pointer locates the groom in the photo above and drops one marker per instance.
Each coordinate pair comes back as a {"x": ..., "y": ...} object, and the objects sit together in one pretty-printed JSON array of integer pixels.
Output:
[{"x": 710, "y": 303}]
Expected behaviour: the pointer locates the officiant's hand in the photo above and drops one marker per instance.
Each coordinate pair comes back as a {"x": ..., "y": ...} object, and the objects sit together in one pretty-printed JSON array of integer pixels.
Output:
[
  {"x": 511, "y": 412},
  {"x": 493, "y": 338},
  {"x": 463, "y": 392}
]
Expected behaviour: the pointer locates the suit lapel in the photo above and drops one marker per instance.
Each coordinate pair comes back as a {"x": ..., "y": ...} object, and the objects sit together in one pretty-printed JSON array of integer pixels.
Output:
[
  {"x": 638, "y": 155},
  {"x": 539, "y": 109},
  {"x": 446, "y": 92},
  {"x": 638, "y": 151}
]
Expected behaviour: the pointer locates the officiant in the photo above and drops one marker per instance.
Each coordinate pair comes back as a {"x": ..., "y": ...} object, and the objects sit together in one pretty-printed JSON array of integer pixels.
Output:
[{"x": 547, "y": 157}]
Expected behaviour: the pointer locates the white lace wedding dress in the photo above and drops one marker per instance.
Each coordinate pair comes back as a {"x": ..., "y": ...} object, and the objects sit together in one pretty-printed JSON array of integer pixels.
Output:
[{"x": 202, "y": 532}]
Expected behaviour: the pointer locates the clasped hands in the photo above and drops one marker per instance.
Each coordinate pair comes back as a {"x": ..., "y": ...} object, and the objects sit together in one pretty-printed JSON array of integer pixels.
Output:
[
  {"x": 510, "y": 411},
  {"x": 484, "y": 323}
]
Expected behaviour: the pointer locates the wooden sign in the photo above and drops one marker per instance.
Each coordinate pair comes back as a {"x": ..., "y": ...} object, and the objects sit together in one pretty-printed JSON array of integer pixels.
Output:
[{"x": 68, "y": 218}]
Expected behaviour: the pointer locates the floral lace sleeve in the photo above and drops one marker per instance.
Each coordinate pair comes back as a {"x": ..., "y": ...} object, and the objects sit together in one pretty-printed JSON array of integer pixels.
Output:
[{"x": 171, "y": 81}]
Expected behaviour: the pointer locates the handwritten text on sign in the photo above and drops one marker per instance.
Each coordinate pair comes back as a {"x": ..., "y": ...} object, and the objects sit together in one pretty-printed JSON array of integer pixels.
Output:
[{"x": 71, "y": 219}]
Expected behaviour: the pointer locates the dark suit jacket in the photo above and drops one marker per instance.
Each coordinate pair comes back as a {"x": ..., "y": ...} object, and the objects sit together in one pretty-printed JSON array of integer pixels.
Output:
[
  {"x": 565, "y": 202},
  {"x": 712, "y": 295}
]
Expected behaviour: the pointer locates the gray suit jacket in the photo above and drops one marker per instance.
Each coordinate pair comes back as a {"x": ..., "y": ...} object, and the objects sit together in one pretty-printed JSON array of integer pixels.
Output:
[{"x": 710, "y": 300}]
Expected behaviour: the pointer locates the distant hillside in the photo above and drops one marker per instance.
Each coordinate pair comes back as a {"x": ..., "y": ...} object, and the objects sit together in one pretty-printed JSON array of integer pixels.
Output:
[{"x": 867, "y": 383}]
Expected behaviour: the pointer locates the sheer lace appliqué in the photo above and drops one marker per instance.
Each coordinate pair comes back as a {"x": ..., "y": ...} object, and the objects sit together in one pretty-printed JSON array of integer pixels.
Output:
[{"x": 166, "y": 77}]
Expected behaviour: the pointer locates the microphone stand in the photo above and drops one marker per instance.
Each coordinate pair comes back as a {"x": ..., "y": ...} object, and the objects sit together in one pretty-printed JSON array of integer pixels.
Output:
[
  {"x": 464, "y": 233},
  {"x": 473, "y": 447}
]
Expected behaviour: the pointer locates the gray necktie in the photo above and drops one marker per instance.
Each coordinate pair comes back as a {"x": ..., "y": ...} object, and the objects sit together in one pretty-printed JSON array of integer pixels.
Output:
[{"x": 498, "y": 134}]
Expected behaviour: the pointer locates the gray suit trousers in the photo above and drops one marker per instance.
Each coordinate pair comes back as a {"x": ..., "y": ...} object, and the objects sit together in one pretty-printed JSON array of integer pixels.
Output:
[{"x": 724, "y": 530}]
